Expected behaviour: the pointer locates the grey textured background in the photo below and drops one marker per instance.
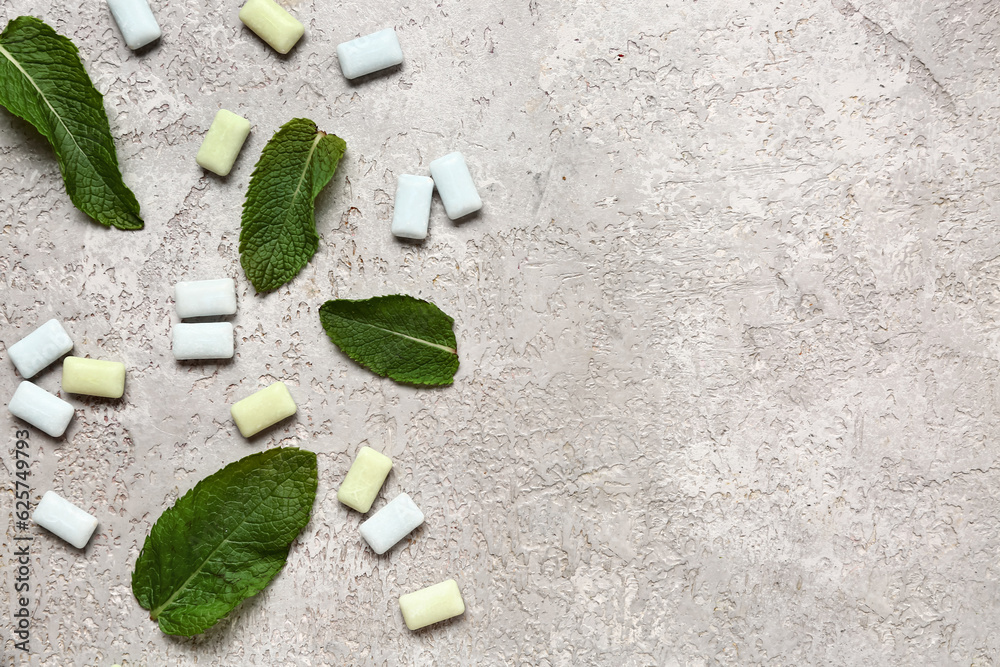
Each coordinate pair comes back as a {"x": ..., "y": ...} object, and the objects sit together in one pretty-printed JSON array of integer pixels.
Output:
[{"x": 726, "y": 323}]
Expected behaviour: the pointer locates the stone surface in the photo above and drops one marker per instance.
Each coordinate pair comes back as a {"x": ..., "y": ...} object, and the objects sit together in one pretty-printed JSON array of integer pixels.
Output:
[{"x": 727, "y": 326}]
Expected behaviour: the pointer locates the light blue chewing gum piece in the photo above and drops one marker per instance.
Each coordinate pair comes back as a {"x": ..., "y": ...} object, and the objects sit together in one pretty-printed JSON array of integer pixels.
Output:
[
  {"x": 205, "y": 298},
  {"x": 412, "y": 209},
  {"x": 391, "y": 523},
  {"x": 40, "y": 348},
  {"x": 41, "y": 409},
  {"x": 455, "y": 185},
  {"x": 60, "y": 516},
  {"x": 370, "y": 53},
  {"x": 136, "y": 21},
  {"x": 204, "y": 340}
]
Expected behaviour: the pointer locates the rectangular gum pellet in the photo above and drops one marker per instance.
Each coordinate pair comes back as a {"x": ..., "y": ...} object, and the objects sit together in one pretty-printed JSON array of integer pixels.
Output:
[
  {"x": 455, "y": 186},
  {"x": 272, "y": 24},
  {"x": 205, "y": 298},
  {"x": 60, "y": 516},
  {"x": 370, "y": 53},
  {"x": 412, "y": 208},
  {"x": 40, "y": 348},
  {"x": 364, "y": 479},
  {"x": 93, "y": 377},
  {"x": 432, "y": 604},
  {"x": 264, "y": 408},
  {"x": 208, "y": 340},
  {"x": 41, "y": 409},
  {"x": 223, "y": 142},
  {"x": 389, "y": 525},
  {"x": 136, "y": 21}
]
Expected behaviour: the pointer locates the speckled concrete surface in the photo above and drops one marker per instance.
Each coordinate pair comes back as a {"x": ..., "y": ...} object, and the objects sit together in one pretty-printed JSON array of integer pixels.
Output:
[{"x": 727, "y": 332}]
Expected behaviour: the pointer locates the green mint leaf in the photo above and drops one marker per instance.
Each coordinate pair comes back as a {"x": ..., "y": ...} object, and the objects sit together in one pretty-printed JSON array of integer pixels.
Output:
[
  {"x": 278, "y": 233},
  {"x": 225, "y": 539},
  {"x": 397, "y": 336},
  {"x": 43, "y": 81}
]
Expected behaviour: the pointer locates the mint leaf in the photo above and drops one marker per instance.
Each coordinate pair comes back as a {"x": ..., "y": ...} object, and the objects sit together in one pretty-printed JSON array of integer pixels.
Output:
[
  {"x": 224, "y": 540},
  {"x": 278, "y": 234},
  {"x": 43, "y": 81},
  {"x": 397, "y": 336}
]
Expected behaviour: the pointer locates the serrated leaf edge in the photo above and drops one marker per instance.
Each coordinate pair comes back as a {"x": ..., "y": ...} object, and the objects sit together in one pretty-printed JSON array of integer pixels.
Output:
[
  {"x": 302, "y": 177},
  {"x": 9, "y": 56},
  {"x": 309, "y": 160},
  {"x": 364, "y": 362},
  {"x": 154, "y": 614}
]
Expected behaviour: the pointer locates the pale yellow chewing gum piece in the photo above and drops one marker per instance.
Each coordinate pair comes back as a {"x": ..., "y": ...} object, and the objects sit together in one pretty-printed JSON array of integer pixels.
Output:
[
  {"x": 223, "y": 143},
  {"x": 432, "y": 604},
  {"x": 93, "y": 377},
  {"x": 265, "y": 408},
  {"x": 364, "y": 479},
  {"x": 272, "y": 24}
]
